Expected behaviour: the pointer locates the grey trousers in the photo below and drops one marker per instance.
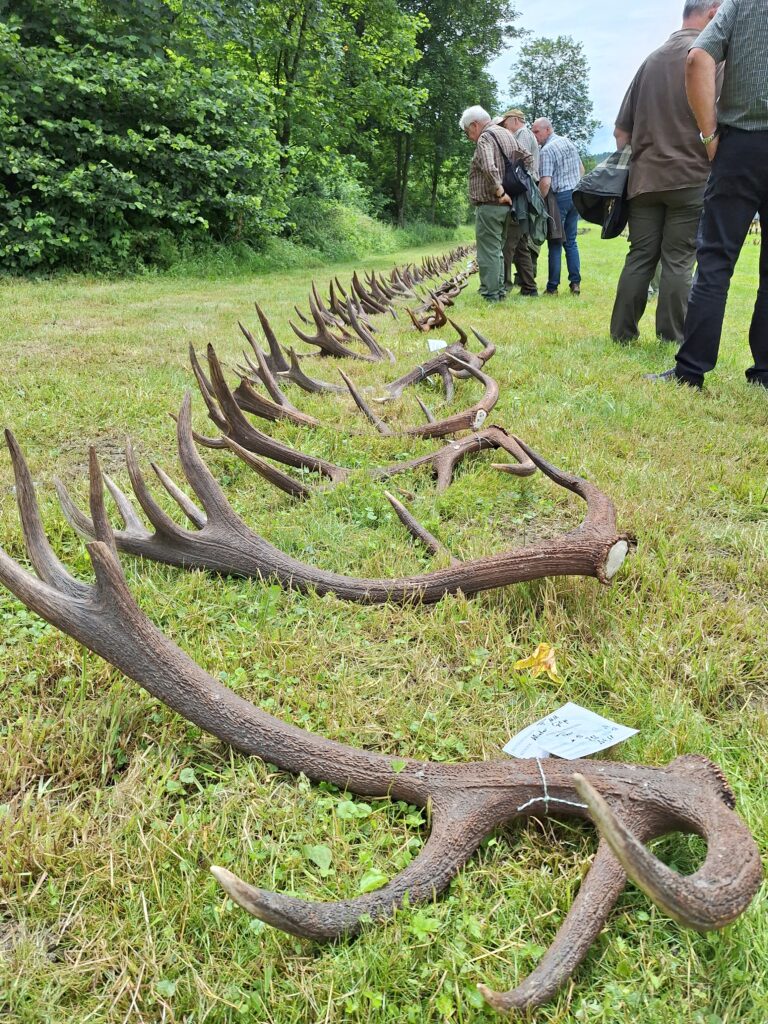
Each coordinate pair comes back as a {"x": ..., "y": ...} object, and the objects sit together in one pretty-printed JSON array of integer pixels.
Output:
[{"x": 662, "y": 227}]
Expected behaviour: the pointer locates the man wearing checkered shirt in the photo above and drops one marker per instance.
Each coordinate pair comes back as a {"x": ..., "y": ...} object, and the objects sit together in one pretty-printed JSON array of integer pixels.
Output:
[
  {"x": 560, "y": 169},
  {"x": 734, "y": 132}
]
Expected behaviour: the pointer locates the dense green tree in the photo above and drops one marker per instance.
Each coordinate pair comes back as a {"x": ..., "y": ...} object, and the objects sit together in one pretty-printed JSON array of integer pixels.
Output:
[
  {"x": 551, "y": 79},
  {"x": 456, "y": 42}
]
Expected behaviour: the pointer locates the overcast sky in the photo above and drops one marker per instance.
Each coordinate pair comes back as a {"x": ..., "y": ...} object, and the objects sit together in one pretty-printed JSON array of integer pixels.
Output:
[{"x": 617, "y": 36}]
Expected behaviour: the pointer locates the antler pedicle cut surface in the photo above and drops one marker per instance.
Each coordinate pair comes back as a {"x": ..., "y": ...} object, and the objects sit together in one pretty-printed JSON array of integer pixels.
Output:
[{"x": 630, "y": 804}]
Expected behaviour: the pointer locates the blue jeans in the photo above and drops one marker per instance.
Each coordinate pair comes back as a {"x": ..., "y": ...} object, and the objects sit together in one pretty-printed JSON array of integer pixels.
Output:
[{"x": 570, "y": 218}]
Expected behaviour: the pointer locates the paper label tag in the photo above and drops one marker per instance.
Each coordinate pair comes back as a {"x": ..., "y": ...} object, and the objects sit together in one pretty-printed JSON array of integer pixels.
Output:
[
  {"x": 570, "y": 732},
  {"x": 480, "y": 417},
  {"x": 435, "y": 344}
]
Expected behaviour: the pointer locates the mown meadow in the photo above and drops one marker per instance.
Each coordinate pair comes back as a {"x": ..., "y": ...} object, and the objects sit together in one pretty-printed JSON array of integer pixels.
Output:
[{"x": 112, "y": 807}]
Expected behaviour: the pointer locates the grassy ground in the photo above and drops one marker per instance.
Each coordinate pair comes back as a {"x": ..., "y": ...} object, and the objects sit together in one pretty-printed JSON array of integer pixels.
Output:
[{"x": 112, "y": 807}]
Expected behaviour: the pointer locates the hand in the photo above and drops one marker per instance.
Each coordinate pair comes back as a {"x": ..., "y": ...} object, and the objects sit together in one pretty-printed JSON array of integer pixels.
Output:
[
  {"x": 712, "y": 148},
  {"x": 505, "y": 199}
]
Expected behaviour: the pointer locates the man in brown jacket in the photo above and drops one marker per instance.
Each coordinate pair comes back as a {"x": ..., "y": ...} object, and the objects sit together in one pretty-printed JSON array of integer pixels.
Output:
[
  {"x": 493, "y": 216},
  {"x": 667, "y": 175}
]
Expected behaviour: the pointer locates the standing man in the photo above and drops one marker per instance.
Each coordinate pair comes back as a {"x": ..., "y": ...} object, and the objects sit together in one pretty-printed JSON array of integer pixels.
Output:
[
  {"x": 667, "y": 175},
  {"x": 514, "y": 121},
  {"x": 524, "y": 256},
  {"x": 735, "y": 137},
  {"x": 493, "y": 206},
  {"x": 560, "y": 168}
]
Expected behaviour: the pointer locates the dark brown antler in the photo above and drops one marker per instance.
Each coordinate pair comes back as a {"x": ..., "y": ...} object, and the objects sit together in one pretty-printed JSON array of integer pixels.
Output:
[
  {"x": 325, "y": 340},
  {"x": 227, "y": 545},
  {"x": 630, "y": 804},
  {"x": 445, "y": 460}
]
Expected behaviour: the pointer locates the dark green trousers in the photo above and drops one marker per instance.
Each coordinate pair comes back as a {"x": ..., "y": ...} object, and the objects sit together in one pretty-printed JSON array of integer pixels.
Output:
[
  {"x": 490, "y": 231},
  {"x": 662, "y": 228},
  {"x": 517, "y": 253}
]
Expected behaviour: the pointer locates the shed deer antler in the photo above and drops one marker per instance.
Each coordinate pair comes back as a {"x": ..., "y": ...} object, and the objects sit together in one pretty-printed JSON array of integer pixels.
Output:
[
  {"x": 630, "y": 804},
  {"x": 225, "y": 544}
]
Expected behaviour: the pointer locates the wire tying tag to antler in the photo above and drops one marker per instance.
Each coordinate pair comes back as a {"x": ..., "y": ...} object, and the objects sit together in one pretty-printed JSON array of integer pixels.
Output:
[{"x": 546, "y": 799}]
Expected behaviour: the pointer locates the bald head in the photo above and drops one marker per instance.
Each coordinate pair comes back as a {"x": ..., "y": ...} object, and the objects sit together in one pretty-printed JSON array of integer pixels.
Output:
[{"x": 542, "y": 129}]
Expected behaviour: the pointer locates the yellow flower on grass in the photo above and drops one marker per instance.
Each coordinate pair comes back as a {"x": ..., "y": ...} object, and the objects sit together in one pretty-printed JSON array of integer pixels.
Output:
[{"x": 542, "y": 660}]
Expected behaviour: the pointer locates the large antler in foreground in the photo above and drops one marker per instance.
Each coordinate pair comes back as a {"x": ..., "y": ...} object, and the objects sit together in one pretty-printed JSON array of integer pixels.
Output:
[
  {"x": 630, "y": 804},
  {"x": 225, "y": 544}
]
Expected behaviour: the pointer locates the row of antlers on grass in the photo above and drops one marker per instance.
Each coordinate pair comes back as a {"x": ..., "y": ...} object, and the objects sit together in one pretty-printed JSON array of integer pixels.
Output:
[
  {"x": 630, "y": 804},
  {"x": 221, "y": 541},
  {"x": 226, "y": 407},
  {"x": 343, "y": 318}
]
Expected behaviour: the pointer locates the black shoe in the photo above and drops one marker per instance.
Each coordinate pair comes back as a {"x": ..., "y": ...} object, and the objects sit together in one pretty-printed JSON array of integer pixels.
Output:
[
  {"x": 671, "y": 377},
  {"x": 529, "y": 293},
  {"x": 551, "y": 291},
  {"x": 575, "y": 288}
]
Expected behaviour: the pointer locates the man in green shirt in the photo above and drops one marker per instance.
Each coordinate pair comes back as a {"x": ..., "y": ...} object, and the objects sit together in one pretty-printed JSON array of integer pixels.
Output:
[{"x": 734, "y": 133}]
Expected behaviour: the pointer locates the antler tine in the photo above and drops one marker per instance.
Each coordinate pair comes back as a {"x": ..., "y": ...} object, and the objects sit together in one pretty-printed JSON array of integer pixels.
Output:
[
  {"x": 525, "y": 466},
  {"x": 463, "y": 339},
  {"x": 417, "y": 531},
  {"x": 366, "y": 335},
  {"x": 195, "y": 515},
  {"x": 455, "y": 835},
  {"x": 364, "y": 408},
  {"x": 489, "y": 349},
  {"x": 128, "y": 513},
  {"x": 297, "y": 375},
  {"x": 200, "y": 478},
  {"x": 265, "y": 375},
  {"x": 427, "y": 414},
  {"x": 440, "y": 318},
  {"x": 704, "y": 900},
  {"x": 214, "y": 413},
  {"x": 276, "y": 353},
  {"x": 601, "y": 513},
  {"x": 275, "y": 476},
  {"x": 447, "y": 378},
  {"x": 597, "y": 896},
  {"x": 231, "y": 412},
  {"x": 41, "y": 554},
  {"x": 160, "y": 519},
  {"x": 101, "y": 524}
]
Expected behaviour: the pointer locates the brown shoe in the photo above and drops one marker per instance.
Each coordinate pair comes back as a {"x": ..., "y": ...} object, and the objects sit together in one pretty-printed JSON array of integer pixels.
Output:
[{"x": 575, "y": 289}]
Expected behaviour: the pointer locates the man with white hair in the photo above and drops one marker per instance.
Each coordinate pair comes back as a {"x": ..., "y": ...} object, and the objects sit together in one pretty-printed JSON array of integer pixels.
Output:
[
  {"x": 667, "y": 175},
  {"x": 493, "y": 207},
  {"x": 560, "y": 170}
]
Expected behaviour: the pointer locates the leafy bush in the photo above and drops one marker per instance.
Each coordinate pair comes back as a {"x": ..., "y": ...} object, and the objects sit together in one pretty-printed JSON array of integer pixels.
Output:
[{"x": 109, "y": 158}]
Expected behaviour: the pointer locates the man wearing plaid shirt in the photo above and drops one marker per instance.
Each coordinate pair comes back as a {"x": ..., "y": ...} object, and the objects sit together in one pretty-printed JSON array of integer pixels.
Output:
[
  {"x": 734, "y": 134},
  {"x": 493, "y": 207},
  {"x": 560, "y": 169}
]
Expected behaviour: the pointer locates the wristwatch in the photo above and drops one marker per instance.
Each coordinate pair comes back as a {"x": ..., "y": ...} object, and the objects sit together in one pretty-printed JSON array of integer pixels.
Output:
[{"x": 706, "y": 139}]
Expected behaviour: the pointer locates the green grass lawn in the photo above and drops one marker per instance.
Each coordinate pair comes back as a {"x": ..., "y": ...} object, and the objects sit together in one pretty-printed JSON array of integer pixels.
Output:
[{"x": 112, "y": 807}]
